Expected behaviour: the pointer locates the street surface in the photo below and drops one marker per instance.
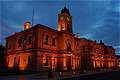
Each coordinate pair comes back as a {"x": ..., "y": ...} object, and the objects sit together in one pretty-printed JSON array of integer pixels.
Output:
[{"x": 66, "y": 76}]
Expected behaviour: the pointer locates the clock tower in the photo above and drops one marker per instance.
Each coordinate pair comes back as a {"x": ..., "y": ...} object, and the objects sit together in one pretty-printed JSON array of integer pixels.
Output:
[{"x": 65, "y": 20}]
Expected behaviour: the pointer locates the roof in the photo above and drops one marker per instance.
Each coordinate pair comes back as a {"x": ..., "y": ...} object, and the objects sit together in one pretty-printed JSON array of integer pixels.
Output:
[
  {"x": 65, "y": 10},
  {"x": 44, "y": 27},
  {"x": 37, "y": 25},
  {"x": 86, "y": 39}
]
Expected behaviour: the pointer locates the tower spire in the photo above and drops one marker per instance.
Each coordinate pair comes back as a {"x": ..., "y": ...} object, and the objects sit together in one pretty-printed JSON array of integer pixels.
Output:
[{"x": 65, "y": 4}]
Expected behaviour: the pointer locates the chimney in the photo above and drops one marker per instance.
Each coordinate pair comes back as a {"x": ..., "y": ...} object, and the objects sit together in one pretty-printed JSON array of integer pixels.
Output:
[
  {"x": 26, "y": 25},
  {"x": 95, "y": 41},
  {"x": 101, "y": 42}
]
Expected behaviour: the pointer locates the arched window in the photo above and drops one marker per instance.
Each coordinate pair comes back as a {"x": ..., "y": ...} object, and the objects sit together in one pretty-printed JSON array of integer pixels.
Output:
[{"x": 68, "y": 45}]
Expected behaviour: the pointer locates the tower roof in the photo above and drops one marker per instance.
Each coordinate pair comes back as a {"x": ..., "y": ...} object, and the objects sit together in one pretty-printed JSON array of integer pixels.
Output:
[{"x": 65, "y": 10}]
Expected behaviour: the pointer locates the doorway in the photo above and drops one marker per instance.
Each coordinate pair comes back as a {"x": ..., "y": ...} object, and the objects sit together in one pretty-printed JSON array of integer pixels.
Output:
[{"x": 68, "y": 62}]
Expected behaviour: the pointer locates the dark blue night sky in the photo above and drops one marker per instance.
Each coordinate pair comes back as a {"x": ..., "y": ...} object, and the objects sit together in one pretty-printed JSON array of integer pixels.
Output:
[{"x": 95, "y": 19}]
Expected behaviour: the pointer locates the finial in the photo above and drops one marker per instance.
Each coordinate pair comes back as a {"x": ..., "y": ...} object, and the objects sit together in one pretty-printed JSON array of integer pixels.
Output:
[{"x": 65, "y": 4}]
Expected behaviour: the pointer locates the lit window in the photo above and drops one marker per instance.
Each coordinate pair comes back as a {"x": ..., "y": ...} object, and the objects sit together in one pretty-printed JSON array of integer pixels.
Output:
[{"x": 46, "y": 39}]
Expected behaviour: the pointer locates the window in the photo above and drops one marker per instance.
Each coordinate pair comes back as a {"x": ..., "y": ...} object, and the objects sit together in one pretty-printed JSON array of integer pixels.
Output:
[
  {"x": 68, "y": 19},
  {"x": 18, "y": 60},
  {"x": 25, "y": 38},
  {"x": 61, "y": 27},
  {"x": 20, "y": 42},
  {"x": 61, "y": 17},
  {"x": 8, "y": 45},
  {"x": 28, "y": 60},
  {"x": 14, "y": 61},
  {"x": 83, "y": 49},
  {"x": 53, "y": 42},
  {"x": 30, "y": 39},
  {"x": 68, "y": 45},
  {"x": 25, "y": 42},
  {"x": 77, "y": 45},
  {"x": 46, "y": 39},
  {"x": 68, "y": 27},
  {"x": 46, "y": 63},
  {"x": 8, "y": 61}
]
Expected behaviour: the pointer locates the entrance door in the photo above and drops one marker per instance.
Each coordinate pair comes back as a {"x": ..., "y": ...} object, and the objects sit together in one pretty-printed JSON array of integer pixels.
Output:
[{"x": 68, "y": 62}]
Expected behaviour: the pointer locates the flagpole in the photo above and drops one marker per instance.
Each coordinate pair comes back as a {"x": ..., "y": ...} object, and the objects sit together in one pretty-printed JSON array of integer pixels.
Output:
[{"x": 33, "y": 17}]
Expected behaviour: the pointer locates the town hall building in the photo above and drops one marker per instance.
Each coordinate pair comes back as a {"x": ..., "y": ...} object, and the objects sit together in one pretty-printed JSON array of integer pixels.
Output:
[{"x": 41, "y": 48}]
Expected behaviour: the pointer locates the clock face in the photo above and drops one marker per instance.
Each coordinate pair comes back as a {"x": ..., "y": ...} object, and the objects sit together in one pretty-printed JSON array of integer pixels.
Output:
[
  {"x": 61, "y": 18},
  {"x": 68, "y": 18}
]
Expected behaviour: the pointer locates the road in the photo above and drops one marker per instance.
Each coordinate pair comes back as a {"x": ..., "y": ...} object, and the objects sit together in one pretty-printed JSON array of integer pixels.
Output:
[
  {"x": 103, "y": 76},
  {"x": 98, "y": 76},
  {"x": 65, "y": 76}
]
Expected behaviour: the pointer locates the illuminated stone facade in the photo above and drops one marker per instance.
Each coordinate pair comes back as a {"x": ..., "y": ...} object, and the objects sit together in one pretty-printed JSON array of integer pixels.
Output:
[
  {"x": 96, "y": 56},
  {"x": 43, "y": 48}
]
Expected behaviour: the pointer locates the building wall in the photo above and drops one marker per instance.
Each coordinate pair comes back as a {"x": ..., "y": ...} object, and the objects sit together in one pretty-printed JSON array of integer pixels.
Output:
[
  {"x": 43, "y": 48},
  {"x": 19, "y": 60},
  {"x": 42, "y": 55}
]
